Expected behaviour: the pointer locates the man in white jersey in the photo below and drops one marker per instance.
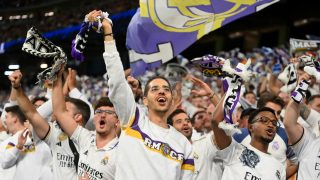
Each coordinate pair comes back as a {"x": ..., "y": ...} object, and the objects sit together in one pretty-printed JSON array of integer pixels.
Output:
[
  {"x": 63, "y": 157},
  {"x": 304, "y": 143},
  {"x": 252, "y": 161},
  {"x": 31, "y": 158},
  {"x": 97, "y": 149},
  {"x": 204, "y": 149},
  {"x": 149, "y": 148}
]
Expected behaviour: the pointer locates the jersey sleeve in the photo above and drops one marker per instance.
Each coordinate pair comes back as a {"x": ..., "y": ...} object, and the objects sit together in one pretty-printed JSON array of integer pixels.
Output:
[
  {"x": 81, "y": 137},
  {"x": 301, "y": 147},
  {"x": 227, "y": 154},
  {"x": 187, "y": 167},
  {"x": 120, "y": 92},
  {"x": 9, "y": 153}
]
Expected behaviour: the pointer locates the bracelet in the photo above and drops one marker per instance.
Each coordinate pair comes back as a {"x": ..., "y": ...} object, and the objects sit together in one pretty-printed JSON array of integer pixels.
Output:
[{"x": 110, "y": 34}]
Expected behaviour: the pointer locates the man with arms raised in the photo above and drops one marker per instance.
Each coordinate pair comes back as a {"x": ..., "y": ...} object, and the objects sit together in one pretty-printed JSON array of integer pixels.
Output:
[
  {"x": 96, "y": 149},
  {"x": 64, "y": 161},
  {"x": 149, "y": 148}
]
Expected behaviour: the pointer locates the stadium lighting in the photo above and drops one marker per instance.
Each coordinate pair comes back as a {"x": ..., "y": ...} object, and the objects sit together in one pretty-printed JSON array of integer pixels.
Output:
[
  {"x": 24, "y": 16},
  {"x": 14, "y": 66},
  {"x": 8, "y": 73},
  {"x": 49, "y": 13},
  {"x": 43, "y": 65},
  {"x": 1, "y": 18}
]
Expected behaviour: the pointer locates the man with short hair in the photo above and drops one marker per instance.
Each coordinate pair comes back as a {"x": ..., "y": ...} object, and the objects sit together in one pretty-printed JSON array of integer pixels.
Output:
[
  {"x": 149, "y": 148},
  {"x": 204, "y": 149},
  {"x": 251, "y": 161},
  {"x": 63, "y": 150},
  {"x": 314, "y": 102},
  {"x": 96, "y": 148},
  {"x": 31, "y": 158}
]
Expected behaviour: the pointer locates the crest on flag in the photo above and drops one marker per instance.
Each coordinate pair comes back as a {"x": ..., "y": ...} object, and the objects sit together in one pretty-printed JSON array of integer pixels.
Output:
[{"x": 160, "y": 30}]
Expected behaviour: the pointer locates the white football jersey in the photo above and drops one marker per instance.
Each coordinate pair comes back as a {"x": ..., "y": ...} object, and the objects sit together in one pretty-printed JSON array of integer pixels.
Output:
[
  {"x": 247, "y": 163},
  {"x": 93, "y": 162},
  {"x": 204, "y": 152},
  {"x": 146, "y": 150},
  {"x": 63, "y": 158},
  {"x": 308, "y": 152}
]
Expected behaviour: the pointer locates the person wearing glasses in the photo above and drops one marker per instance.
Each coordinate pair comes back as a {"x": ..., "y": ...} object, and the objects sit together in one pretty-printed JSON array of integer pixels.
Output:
[
  {"x": 96, "y": 148},
  {"x": 148, "y": 148},
  {"x": 250, "y": 161},
  {"x": 279, "y": 147}
]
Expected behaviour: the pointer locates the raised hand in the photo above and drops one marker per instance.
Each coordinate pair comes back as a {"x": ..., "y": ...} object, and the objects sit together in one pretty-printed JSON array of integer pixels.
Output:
[
  {"x": 15, "y": 79},
  {"x": 205, "y": 89},
  {"x": 22, "y": 138}
]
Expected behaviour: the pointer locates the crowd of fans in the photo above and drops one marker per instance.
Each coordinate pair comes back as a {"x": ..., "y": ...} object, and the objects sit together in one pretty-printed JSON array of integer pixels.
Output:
[{"x": 131, "y": 138}]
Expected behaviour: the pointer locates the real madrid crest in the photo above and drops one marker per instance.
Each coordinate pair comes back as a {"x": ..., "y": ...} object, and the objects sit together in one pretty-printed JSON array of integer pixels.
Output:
[
  {"x": 105, "y": 160},
  {"x": 165, "y": 149},
  {"x": 62, "y": 137}
]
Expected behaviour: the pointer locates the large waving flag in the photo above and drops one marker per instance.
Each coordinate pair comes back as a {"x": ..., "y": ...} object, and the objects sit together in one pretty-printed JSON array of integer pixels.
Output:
[{"x": 161, "y": 29}]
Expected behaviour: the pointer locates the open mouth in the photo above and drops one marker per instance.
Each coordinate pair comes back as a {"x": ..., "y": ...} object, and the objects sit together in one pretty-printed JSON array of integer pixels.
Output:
[
  {"x": 161, "y": 100},
  {"x": 102, "y": 123},
  {"x": 270, "y": 132},
  {"x": 186, "y": 130}
]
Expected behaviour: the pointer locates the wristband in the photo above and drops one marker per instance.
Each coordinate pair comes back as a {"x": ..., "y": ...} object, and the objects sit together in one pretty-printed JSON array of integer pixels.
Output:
[{"x": 109, "y": 34}]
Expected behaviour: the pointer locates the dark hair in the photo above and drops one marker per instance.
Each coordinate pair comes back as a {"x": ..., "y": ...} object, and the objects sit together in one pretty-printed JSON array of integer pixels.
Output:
[
  {"x": 248, "y": 92},
  {"x": 146, "y": 88},
  {"x": 104, "y": 101},
  {"x": 269, "y": 97},
  {"x": 82, "y": 108},
  {"x": 311, "y": 98},
  {"x": 39, "y": 98},
  {"x": 253, "y": 114},
  {"x": 173, "y": 114},
  {"x": 247, "y": 112},
  {"x": 15, "y": 110}
]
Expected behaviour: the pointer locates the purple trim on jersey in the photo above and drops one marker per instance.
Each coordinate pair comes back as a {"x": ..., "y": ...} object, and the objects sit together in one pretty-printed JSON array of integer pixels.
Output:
[
  {"x": 136, "y": 118},
  {"x": 188, "y": 161},
  {"x": 145, "y": 136}
]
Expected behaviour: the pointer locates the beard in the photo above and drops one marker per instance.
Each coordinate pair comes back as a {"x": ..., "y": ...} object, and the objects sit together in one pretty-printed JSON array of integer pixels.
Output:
[{"x": 267, "y": 139}]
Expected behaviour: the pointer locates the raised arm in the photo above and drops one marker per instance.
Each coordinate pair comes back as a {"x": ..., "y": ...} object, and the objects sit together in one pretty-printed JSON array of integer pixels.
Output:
[
  {"x": 120, "y": 92},
  {"x": 65, "y": 119},
  {"x": 292, "y": 127},
  {"x": 39, "y": 124},
  {"x": 205, "y": 90},
  {"x": 221, "y": 138}
]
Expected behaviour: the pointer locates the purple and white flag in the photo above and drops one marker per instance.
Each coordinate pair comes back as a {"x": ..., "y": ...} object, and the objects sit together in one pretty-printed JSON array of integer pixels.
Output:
[{"x": 160, "y": 30}]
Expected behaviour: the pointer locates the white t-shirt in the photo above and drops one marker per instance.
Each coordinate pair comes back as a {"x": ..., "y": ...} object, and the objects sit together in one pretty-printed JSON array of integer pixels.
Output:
[
  {"x": 96, "y": 163},
  {"x": 32, "y": 163},
  {"x": 63, "y": 158},
  {"x": 204, "y": 152},
  {"x": 146, "y": 150},
  {"x": 278, "y": 148},
  {"x": 247, "y": 163},
  {"x": 9, "y": 172},
  {"x": 308, "y": 151}
]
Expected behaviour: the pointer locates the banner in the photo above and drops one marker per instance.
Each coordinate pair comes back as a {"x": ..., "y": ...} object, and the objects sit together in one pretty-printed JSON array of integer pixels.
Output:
[
  {"x": 160, "y": 30},
  {"x": 302, "y": 46}
]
